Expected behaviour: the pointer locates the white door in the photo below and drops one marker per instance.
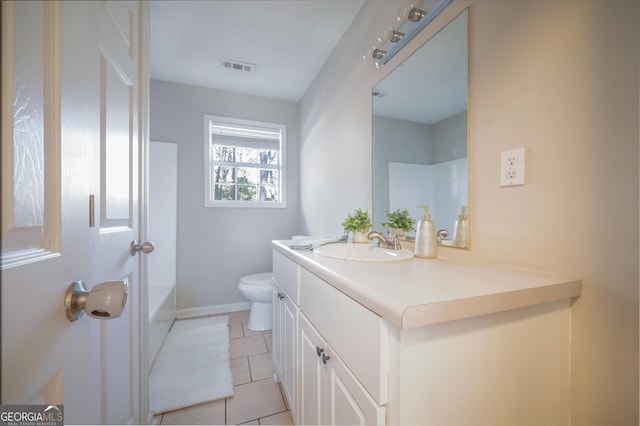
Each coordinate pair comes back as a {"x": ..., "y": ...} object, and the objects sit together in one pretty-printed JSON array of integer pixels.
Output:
[
  {"x": 115, "y": 69},
  {"x": 69, "y": 132}
]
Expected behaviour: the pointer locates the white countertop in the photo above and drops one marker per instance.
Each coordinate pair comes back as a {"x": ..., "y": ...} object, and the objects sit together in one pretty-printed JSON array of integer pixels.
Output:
[{"x": 418, "y": 292}]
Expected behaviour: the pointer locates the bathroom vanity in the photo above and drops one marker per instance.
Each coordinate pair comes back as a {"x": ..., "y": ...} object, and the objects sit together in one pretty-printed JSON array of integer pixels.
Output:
[{"x": 420, "y": 341}]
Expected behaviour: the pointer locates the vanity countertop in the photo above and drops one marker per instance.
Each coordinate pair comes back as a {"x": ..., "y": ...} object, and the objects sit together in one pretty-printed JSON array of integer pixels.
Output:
[{"x": 417, "y": 292}]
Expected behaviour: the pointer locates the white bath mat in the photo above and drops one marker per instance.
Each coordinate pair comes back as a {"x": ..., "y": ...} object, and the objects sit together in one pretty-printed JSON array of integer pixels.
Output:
[{"x": 192, "y": 366}]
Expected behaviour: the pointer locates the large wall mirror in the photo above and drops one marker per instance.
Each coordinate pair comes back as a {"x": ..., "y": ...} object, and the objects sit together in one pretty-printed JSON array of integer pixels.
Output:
[{"x": 420, "y": 132}]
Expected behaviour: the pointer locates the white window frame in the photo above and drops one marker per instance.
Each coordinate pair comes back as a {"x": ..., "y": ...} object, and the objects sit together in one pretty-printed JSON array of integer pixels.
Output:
[{"x": 209, "y": 163}]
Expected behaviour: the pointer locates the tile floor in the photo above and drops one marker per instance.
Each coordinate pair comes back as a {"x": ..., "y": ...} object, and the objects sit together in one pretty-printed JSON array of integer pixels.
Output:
[{"x": 257, "y": 400}]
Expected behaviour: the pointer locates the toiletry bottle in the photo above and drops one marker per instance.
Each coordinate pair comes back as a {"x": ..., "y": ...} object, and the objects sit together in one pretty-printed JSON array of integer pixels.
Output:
[
  {"x": 426, "y": 242},
  {"x": 461, "y": 230}
]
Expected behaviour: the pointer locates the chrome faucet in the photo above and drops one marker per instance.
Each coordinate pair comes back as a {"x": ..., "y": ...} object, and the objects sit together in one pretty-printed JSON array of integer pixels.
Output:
[
  {"x": 441, "y": 235},
  {"x": 384, "y": 242}
]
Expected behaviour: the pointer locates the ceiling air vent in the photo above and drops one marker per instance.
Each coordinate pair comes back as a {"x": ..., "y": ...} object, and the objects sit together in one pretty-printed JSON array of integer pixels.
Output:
[{"x": 237, "y": 65}]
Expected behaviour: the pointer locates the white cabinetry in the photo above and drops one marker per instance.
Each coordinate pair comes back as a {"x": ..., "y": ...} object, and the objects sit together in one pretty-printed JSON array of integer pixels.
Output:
[
  {"x": 311, "y": 373},
  {"x": 311, "y": 354},
  {"x": 285, "y": 328},
  {"x": 277, "y": 331},
  {"x": 359, "y": 336},
  {"x": 412, "y": 342},
  {"x": 329, "y": 393}
]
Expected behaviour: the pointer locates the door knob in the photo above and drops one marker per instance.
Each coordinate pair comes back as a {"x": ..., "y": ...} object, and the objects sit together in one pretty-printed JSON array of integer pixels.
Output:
[
  {"x": 104, "y": 301},
  {"x": 136, "y": 246}
]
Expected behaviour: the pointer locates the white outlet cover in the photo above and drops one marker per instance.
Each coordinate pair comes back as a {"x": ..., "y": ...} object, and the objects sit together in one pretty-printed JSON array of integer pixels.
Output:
[{"x": 512, "y": 167}]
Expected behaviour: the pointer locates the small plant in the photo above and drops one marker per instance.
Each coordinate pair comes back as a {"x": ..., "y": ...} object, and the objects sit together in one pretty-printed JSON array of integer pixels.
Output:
[
  {"x": 359, "y": 222},
  {"x": 399, "y": 219}
]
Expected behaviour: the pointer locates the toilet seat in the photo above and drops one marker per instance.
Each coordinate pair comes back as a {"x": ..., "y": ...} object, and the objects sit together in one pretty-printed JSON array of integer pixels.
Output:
[{"x": 257, "y": 279}]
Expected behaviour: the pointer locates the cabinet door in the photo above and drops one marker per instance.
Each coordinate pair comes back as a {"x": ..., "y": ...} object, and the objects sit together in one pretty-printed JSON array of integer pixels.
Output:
[
  {"x": 311, "y": 375},
  {"x": 357, "y": 334},
  {"x": 348, "y": 403},
  {"x": 289, "y": 351},
  {"x": 329, "y": 393},
  {"x": 276, "y": 332}
]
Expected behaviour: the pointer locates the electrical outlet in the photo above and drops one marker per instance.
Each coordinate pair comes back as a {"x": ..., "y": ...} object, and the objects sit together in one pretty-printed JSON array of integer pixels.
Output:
[{"x": 512, "y": 168}]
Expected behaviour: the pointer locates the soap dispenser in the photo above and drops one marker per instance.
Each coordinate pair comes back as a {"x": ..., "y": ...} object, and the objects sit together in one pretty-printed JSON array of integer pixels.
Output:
[
  {"x": 461, "y": 229},
  {"x": 426, "y": 244}
]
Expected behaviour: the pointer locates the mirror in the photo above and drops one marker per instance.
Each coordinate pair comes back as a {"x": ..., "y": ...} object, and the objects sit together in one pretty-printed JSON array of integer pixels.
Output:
[{"x": 420, "y": 133}]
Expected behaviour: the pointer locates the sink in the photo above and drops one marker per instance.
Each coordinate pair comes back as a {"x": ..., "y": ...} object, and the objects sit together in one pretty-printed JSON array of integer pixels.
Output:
[{"x": 362, "y": 252}]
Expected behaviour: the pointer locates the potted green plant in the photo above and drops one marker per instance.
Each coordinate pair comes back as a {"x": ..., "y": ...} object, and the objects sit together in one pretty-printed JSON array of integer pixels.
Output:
[
  {"x": 399, "y": 222},
  {"x": 359, "y": 224}
]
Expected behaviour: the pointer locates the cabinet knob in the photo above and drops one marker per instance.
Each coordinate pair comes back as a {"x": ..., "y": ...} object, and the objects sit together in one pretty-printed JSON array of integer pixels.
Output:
[
  {"x": 319, "y": 351},
  {"x": 325, "y": 358}
]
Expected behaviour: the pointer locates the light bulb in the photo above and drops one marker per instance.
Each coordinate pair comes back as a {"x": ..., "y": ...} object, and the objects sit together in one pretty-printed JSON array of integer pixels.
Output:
[
  {"x": 385, "y": 35},
  {"x": 368, "y": 53},
  {"x": 403, "y": 13}
]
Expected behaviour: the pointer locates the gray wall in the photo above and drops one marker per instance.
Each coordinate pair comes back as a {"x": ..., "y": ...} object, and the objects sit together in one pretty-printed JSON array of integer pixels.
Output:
[
  {"x": 404, "y": 141},
  {"x": 216, "y": 246},
  {"x": 560, "y": 79},
  {"x": 398, "y": 141},
  {"x": 449, "y": 138}
]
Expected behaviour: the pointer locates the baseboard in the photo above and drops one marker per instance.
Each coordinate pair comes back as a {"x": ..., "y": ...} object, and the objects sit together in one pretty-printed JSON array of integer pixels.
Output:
[{"x": 212, "y": 310}]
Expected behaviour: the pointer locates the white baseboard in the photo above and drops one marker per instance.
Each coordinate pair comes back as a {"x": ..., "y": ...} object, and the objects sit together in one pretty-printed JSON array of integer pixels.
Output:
[{"x": 212, "y": 310}]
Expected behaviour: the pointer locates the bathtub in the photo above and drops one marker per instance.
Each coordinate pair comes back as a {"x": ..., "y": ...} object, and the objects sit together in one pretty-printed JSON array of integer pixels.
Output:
[
  {"x": 162, "y": 313},
  {"x": 162, "y": 231}
]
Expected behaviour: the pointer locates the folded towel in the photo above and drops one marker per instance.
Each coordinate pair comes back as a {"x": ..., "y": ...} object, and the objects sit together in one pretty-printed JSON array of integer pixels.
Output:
[{"x": 317, "y": 242}]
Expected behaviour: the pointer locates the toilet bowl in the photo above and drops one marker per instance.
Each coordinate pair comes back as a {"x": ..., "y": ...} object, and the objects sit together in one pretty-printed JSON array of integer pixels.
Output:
[{"x": 258, "y": 289}]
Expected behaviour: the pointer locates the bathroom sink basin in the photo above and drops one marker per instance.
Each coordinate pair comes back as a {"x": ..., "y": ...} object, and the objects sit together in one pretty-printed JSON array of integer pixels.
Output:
[{"x": 362, "y": 252}]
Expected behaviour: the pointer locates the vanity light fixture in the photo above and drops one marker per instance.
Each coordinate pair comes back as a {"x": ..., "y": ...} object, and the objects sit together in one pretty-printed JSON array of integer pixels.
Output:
[{"x": 391, "y": 40}]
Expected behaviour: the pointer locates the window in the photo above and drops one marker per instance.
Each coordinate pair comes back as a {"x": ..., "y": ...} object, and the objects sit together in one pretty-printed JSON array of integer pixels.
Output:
[{"x": 244, "y": 163}]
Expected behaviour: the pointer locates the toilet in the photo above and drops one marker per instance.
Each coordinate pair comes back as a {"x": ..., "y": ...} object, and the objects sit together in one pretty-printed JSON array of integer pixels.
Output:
[{"x": 258, "y": 288}]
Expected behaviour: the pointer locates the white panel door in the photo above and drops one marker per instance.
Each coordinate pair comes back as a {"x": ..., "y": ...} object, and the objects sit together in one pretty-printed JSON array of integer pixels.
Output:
[
  {"x": 69, "y": 105},
  {"x": 45, "y": 233},
  {"x": 116, "y": 207}
]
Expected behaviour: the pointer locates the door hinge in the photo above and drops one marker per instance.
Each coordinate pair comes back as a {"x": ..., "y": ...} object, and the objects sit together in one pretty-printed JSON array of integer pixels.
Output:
[{"x": 92, "y": 211}]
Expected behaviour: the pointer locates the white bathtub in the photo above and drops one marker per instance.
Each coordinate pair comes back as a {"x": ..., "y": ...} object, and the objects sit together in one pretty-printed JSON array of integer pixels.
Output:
[
  {"x": 162, "y": 313},
  {"x": 162, "y": 231}
]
